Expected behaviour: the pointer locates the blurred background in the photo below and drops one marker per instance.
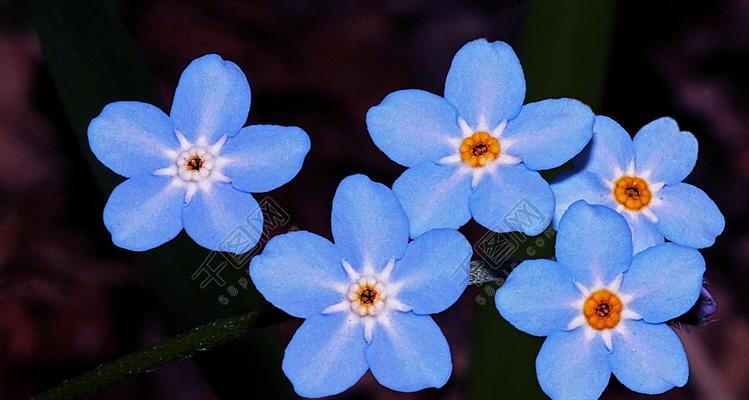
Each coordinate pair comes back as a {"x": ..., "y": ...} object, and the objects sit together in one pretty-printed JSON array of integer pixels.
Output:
[{"x": 70, "y": 300}]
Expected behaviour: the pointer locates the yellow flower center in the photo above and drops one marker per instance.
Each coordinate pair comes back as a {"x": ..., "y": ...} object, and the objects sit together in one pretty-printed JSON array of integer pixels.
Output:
[
  {"x": 479, "y": 149},
  {"x": 603, "y": 310},
  {"x": 632, "y": 192}
]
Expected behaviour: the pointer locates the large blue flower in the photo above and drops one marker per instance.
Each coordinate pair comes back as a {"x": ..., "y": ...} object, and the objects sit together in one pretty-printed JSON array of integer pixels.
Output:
[
  {"x": 366, "y": 299},
  {"x": 476, "y": 151},
  {"x": 603, "y": 309},
  {"x": 642, "y": 179},
  {"x": 195, "y": 167}
]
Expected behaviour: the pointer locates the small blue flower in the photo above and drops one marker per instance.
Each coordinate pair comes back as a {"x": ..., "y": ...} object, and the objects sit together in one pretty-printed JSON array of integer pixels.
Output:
[
  {"x": 194, "y": 168},
  {"x": 366, "y": 298},
  {"x": 475, "y": 152},
  {"x": 641, "y": 178},
  {"x": 603, "y": 309}
]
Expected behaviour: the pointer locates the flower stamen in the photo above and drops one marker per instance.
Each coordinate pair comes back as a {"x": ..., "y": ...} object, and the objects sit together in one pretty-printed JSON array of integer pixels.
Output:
[
  {"x": 367, "y": 296},
  {"x": 603, "y": 310},
  {"x": 479, "y": 149},
  {"x": 631, "y": 192}
]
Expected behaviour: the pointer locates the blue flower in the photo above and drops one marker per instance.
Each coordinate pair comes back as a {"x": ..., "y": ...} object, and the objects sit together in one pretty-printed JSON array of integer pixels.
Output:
[
  {"x": 366, "y": 298},
  {"x": 641, "y": 178},
  {"x": 475, "y": 152},
  {"x": 194, "y": 168},
  {"x": 603, "y": 309}
]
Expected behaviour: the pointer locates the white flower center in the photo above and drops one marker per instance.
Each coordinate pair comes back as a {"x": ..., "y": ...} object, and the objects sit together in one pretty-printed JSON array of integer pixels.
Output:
[
  {"x": 368, "y": 297},
  {"x": 196, "y": 165}
]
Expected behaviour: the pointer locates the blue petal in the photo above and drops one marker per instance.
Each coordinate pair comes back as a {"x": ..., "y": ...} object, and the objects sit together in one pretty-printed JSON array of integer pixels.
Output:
[
  {"x": 548, "y": 133},
  {"x": 264, "y": 157},
  {"x": 299, "y": 272},
  {"x": 664, "y": 281},
  {"x": 664, "y": 152},
  {"x": 687, "y": 216},
  {"x": 538, "y": 297},
  {"x": 434, "y": 271},
  {"x": 413, "y": 126},
  {"x": 513, "y": 198},
  {"x": 610, "y": 150},
  {"x": 409, "y": 353},
  {"x": 485, "y": 83},
  {"x": 582, "y": 185},
  {"x": 368, "y": 223},
  {"x": 144, "y": 212},
  {"x": 216, "y": 218},
  {"x": 326, "y": 355},
  {"x": 594, "y": 242},
  {"x": 569, "y": 366},
  {"x": 131, "y": 138},
  {"x": 648, "y": 358},
  {"x": 212, "y": 99},
  {"x": 645, "y": 233},
  {"x": 434, "y": 196}
]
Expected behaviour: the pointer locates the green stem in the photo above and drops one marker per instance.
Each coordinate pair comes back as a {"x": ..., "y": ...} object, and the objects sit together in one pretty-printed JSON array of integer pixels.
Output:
[{"x": 176, "y": 348}]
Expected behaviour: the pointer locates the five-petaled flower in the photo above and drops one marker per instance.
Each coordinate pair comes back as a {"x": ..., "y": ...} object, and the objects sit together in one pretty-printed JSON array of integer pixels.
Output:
[
  {"x": 642, "y": 179},
  {"x": 366, "y": 299},
  {"x": 603, "y": 309},
  {"x": 476, "y": 151},
  {"x": 196, "y": 167}
]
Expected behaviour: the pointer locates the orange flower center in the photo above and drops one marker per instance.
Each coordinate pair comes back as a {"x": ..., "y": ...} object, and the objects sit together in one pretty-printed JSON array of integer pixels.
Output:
[
  {"x": 195, "y": 163},
  {"x": 479, "y": 149},
  {"x": 603, "y": 310},
  {"x": 632, "y": 193}
]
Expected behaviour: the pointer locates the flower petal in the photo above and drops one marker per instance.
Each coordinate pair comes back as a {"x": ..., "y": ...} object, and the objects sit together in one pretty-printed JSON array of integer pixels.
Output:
[
  {"x": 413, "y": 126},
  {"x": 485, "y": 83},
  {"x": 212, "y": 99},
  {"x": 214, "y": 218},
  {"x": 571, "y": 366},
  {"x": 434, "y": 196},
  {"x": 264, "y": 157},
  {"x": 434, "y": 271},
  {"x": 687, "y": 216},
  {"x": 369, "y": 225},
  {"x": 664, "y": 281},
  {"x": 581, "y": 185},
  {"x": 129, "y": 130},
  {"x": 648, "y": 358},
  {"x": 538, "y": 297},
  {"x": 645, "y": 233},
  {"x": 513, "y": 198},
  {"x": 144, "y": 212},
  {"x": 610, "y": 151},
  {"x": 326, "y": 355},
  {"x": 300, "y": 273},
  {"x": 408, "y": 352},
  {"x": 664, "y": 152},
  {"x": 594, "y": 242},
  {"x": 548, "y": 133}
]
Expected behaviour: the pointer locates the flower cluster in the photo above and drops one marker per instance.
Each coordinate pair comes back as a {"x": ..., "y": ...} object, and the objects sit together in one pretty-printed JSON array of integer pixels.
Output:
[{"x": 367, "y": 297}]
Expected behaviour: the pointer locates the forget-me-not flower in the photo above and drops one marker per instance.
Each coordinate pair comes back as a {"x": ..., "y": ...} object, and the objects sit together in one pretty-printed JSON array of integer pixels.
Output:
[
  {"x": 193, "y": 169},
  {"x": 475, "y": 152},
  {"x": 366, "y": 298},
  {"x": 641, "y": 178},
  {"x": 603, "y": 309}
]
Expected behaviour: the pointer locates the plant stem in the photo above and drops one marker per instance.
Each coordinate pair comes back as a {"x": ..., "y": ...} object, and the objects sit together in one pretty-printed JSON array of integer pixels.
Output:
[{"x": 176, "y": 348}]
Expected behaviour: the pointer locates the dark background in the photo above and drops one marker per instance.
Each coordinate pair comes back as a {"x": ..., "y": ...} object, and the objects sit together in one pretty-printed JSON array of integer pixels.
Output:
[{"x": 70, "y": 300}]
